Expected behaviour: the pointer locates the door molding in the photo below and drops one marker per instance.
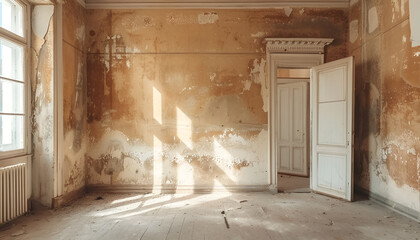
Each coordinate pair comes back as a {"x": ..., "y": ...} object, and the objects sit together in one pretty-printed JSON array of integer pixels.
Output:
[
  {"x": 297, "y": 45},
  {"x": 287, "y": 53}
]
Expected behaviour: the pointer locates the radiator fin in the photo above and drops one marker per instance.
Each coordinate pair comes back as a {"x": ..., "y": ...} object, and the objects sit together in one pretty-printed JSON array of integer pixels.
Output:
[{"x": 13, "y": 188}]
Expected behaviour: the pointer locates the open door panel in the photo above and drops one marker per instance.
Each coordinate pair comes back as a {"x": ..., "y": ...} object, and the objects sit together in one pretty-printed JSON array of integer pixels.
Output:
[{"x": 332, "y": 108}]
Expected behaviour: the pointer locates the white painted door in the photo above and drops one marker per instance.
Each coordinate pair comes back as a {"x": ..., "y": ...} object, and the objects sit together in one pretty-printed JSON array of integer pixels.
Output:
[
  {"x": 332, "y": 108},
  {"x": 292, "y": 122}
]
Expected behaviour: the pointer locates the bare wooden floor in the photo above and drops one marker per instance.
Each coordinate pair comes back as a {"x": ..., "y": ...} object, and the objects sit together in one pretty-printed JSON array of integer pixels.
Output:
[
  {"x": 249, "y": 215},
  {"x": 288, "y": 183}
]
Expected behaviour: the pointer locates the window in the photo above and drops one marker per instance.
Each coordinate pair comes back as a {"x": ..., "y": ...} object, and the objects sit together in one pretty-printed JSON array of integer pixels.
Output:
[
  {"x": 13, "y": 87},
  {"x": 298, "y": 73},
  {"x": 11, "y": 16}
]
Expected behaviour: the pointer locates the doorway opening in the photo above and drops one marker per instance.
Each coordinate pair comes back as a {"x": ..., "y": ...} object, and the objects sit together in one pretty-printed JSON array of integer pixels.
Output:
[
  {"x": 290, "y": 80},
  {"x": 293, "y": 166},
  {"x": 324, "y": 153}
]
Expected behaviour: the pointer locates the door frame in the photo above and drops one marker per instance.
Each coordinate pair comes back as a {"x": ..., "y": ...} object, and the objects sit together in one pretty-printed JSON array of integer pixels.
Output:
[{"x": 288, "y": 53}]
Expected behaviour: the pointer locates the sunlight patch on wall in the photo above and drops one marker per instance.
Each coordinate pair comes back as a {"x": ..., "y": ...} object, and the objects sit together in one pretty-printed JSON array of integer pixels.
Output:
[
  {"x": 183, "y": 128},
  {"x": 185, "y": 172},
  {"x": 219, "y": 186},
  {"x": 157, "y": 163},
  {"x": 225, "y": 156},
  {"x": 157, "y": 105}
]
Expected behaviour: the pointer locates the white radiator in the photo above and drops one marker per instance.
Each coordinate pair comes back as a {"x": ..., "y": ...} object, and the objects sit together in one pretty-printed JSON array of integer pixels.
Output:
[{"x": 13, "y": 188}]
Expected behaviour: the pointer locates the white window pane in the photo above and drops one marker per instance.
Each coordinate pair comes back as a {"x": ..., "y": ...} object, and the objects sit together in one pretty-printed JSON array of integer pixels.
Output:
[
  {"x": 11, "y": 60},
  {"x": 11, "y": 97},
  {"x": 11, "y": 132},
  {"x": 11, "y": 16}
]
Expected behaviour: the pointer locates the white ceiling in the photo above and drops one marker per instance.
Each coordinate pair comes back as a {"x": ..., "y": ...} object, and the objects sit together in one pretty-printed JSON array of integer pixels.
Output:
[{"x": 213, "y": 4}]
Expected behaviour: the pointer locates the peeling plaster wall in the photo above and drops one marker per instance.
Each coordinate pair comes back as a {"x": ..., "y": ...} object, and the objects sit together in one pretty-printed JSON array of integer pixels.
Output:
[
  {"x": 387, "y": 144},
  {"x": 180, "y": 97},
  {"x": 75, "y": 140},
  {"x": 42, "y": 104}
]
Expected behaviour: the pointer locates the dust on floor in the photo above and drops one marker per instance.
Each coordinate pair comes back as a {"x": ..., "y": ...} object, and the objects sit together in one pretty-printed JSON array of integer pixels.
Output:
[{"x": 196, "y": 216}]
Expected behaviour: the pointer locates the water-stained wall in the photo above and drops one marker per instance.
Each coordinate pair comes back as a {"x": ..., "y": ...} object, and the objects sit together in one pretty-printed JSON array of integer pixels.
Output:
[
  {"x": 387, "y": 144},
  {"x": 75, "y": 140},
  {"x": 180, "y": 97},
  {"x": 41, "y": 76}
]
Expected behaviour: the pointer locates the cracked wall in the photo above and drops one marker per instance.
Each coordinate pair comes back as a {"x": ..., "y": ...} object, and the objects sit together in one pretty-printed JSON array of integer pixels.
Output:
[
  {"x": 387, "y": 120},
  {"x": 42, "y": 71},
  {"x": 75, "y": 140},
  {"x": 180, "y": 97}
]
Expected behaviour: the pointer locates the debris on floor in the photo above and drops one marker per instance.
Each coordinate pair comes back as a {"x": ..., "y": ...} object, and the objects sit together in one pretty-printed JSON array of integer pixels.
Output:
[
  {"x": 226, "y": 222},
  {"x": 18, "y": 233}
]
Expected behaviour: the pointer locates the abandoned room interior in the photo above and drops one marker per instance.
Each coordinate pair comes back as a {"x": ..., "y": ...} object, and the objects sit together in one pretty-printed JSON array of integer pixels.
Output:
[{"x": 197, "y": 119}]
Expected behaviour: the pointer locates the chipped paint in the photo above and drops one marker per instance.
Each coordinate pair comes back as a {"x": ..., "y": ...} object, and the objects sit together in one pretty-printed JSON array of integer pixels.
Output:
[
  {"x": 221, "y": 155},
  {"x": 80, "y": 34},
  {"x": 208, "y": 18},
  {"x": 302, "y": 11},
  {"x": 373, "y": 19},
  {"x": 212, "y": 76},
  {"x": 247, "y": 85},
  {"x": 288, "y": 11},
  {"x": 354, "y": 30},
  {"x": 259, "y": 34},
  {"x": 258, "y": 76},
  {"x": 395, "y": 9}
]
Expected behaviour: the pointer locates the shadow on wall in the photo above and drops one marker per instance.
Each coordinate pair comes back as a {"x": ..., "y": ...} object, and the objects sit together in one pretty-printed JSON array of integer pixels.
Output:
[{"x": 367, "y": 116}]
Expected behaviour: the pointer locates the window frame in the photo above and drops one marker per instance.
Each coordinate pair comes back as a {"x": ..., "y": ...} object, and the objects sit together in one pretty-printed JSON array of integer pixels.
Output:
[{"x": 24, "y": 42}]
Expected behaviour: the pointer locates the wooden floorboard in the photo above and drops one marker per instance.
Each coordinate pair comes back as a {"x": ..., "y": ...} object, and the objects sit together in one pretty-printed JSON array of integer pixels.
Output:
[{"x": 253, "y": 216}]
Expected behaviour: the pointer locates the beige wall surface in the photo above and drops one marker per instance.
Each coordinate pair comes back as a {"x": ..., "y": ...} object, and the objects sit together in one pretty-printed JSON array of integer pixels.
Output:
[
  {"x": 75, "y": 140},
  {"x": 42, "y": 87},
  {"x": 387, "y": 146},
  {"x": 180, "y": 97}
]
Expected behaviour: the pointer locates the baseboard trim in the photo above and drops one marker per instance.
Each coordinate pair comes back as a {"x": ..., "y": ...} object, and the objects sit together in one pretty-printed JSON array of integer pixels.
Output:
[
  {"x": 173, "y": 189},
  {"x": 67, "y": 198},
  {"x": 401, "y": 209}
]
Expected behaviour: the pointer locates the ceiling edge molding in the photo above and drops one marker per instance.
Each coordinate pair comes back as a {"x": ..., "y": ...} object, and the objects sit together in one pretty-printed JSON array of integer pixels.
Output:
[
  {"x": 297, "y": 45},
  {"x": 215, "y": 5}
]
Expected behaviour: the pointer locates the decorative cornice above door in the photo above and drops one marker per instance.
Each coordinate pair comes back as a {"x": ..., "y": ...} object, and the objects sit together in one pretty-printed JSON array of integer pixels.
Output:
[{"x": 297, "y": 45}]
